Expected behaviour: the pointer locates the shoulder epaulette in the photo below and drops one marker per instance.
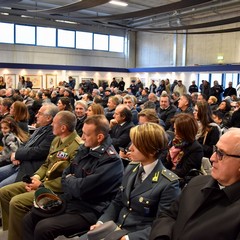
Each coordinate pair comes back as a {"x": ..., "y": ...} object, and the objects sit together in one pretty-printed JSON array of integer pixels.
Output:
[
  {"x": 133, "y": 163},
  {"x": 169, "y": 175},
  {"x": 111, "y": 151},
  {"x": 79, "y": 140}
]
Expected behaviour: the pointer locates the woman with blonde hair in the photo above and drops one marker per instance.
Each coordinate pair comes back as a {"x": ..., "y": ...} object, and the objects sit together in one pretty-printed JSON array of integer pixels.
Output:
[
  {"x": 147, "y": 189},
  {"x": 95, "y": 109},
  {"x": 148, "y": 115}
]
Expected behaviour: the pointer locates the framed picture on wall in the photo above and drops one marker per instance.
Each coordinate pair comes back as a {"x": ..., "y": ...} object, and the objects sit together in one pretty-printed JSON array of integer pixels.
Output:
[
  {"x": 86, "y": 79},
  {"x": 10, "y": 80},
  {"x": 103, "y": 83},
  {"x": 51, "y": 80},
  {"x": 85, "y": 82},
  {"x": 35, "y": 79}
]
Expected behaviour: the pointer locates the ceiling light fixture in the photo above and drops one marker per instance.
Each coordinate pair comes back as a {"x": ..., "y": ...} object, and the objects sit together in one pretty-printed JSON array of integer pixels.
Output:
[
  {"x": 123, "y": 4},
  {"x": 64, "y": 21}
]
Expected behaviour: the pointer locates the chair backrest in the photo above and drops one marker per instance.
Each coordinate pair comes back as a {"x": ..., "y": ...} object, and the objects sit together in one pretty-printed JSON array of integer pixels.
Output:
[{"x": 206, "y": 166}]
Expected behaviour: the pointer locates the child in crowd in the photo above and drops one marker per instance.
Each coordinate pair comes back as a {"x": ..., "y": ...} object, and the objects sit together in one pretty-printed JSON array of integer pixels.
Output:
[{"x": 13, "y": 137}]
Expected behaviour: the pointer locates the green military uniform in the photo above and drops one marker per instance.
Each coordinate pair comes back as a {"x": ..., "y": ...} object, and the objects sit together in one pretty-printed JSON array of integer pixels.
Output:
[
  {"x": 16, "y": 202},
  {"x": 59, "y": 157}
]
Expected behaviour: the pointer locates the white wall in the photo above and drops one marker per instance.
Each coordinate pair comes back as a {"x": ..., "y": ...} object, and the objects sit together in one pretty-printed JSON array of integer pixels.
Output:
[
  {"x": 156, "y": 49},
  {"x": 62, "y": 75},
  {"x": 59, "y": 56}
]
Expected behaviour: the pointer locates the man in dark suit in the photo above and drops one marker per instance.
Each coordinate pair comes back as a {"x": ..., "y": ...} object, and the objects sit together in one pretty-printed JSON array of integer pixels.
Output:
[
  {"x": 208, "y": 207},
  {"x": 166, "y": 110},
  {"x": 121, "y": 126},
  {"x": 230, "y": 90},
  {"x": 81, "y": 114},
  {"x": 89, "y": 184},
  {"x": 128, "y": 100},
  {"x": 32, "y": 155},
  {"x": 216, "y": 91}
]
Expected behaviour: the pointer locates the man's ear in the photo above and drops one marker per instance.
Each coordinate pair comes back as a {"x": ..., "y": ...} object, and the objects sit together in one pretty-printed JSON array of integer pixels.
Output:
[
  {"x": 49, "y": 118},
  {"x": 63, "y": 128},
  {"x": 100, "y": 137}
]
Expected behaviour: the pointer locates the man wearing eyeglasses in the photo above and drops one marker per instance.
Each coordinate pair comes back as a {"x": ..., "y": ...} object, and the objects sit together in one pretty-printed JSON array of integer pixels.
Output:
[{"x": 208, "y": 207}]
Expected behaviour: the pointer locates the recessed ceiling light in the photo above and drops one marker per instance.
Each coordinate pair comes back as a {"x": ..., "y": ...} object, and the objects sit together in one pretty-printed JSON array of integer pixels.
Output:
[{"x": 123, "y": 4}]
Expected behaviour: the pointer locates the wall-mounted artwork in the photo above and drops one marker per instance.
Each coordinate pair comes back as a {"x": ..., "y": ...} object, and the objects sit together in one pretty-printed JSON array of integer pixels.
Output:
[
  {"x": 35, "y": 79},
  {"x": 86, "y": 79},
  {"x": 51, "y": 81},
  {"x": 10, "y": 80},
  {"x": 103, "y": 83}
]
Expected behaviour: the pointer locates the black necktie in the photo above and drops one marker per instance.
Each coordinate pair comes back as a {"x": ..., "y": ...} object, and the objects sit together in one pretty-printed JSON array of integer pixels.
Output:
[{"x": 138, "y": 179}]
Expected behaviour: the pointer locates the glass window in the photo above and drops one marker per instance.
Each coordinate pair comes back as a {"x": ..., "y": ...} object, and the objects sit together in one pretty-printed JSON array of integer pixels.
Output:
[
  {"x": 66, "y": 38},
  {"x": 6, "y": 32},
  {"x": 116, "y": 44},
  {"x": 218, "y": 77},
  {"x": 84, "y": 40},
  {"x": 231, "y": 77},
  {"x": 46, "y": 36},
  {"x": 100, "y": 42},
  {"x": 25, "y": 34},
  {"x": 203, "y": 76}
]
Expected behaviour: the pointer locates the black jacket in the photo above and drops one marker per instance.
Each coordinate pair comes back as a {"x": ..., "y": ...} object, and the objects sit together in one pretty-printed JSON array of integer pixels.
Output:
[
  {"x": 211, "y": 139},
  {"x": 33, "y": 154},
  {"x": 79, "y": 125},
  {"x": 97, "y": 177},
  {"x": 166, "y": 115},
  {"x": 191, "y": 159},
  {"x": 199, "y": 215},
  {"x": 120, "y": 135}
]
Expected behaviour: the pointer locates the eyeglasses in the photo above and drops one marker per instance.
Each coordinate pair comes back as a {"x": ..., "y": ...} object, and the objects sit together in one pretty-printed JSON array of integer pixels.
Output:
[
  {"x": 41, "y": 113},
  {"x": 220, "y": 154}
]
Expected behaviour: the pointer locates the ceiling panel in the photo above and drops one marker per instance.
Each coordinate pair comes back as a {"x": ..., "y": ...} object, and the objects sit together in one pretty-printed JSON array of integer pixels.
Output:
[{"x": 208, "y": 11}]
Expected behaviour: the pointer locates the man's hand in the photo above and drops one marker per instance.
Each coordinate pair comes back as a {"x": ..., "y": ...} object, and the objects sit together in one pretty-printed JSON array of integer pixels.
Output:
[
  {"x": 13, "y": 156},
  {"x": 34, "y": 185},
  {"x": 123, "y": 238},
  {"x": 16, "y": 162},
  {"x": 95, "y": 226},
  {"x": 113, "y": 122}
]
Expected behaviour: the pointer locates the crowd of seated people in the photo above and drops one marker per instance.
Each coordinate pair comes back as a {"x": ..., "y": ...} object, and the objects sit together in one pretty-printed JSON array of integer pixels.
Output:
[{"x": 193, "y": 125}]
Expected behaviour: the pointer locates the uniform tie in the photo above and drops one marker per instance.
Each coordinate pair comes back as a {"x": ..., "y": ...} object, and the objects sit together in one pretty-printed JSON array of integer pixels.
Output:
[{"x": 138, "y": 179}]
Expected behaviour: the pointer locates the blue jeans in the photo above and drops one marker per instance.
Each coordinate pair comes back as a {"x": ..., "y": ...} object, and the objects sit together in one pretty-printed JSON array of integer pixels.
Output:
[{"x": 8, "y": 174}]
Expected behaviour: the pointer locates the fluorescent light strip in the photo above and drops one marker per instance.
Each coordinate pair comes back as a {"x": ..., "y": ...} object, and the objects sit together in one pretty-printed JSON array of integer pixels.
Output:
[
  {"x": 123, "y": 4},
  {"x": 64, "y": 21}
]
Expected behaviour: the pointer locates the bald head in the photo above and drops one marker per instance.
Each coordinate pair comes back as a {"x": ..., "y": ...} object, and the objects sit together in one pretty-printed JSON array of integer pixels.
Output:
[{"x": 231, "y": 141}]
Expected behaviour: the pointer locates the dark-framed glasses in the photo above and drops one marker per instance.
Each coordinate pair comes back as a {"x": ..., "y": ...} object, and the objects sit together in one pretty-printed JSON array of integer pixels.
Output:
[{"x": 221, "y": 154}]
